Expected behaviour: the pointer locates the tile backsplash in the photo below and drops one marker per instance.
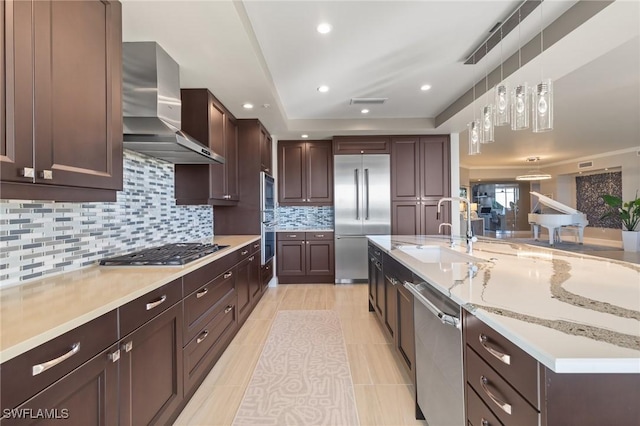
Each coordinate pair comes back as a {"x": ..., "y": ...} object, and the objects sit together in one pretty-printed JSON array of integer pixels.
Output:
[
  {"x": 305, "y": 217},
  {"x": 42, "y": 238}
]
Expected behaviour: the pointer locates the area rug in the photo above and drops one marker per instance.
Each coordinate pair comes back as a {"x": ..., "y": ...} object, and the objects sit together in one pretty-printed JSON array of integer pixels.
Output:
[{"x": 302, "y": 376}]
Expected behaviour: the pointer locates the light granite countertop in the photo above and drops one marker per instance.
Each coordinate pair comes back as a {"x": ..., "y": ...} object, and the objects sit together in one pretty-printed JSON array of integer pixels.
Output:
[
  {"x": 40, "y": 310},
  {"x": 574, "y": 313}
]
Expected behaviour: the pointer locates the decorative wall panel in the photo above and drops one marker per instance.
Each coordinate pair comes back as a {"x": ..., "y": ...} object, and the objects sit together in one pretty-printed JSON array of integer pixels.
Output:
[{"x": 589, "y": 191}]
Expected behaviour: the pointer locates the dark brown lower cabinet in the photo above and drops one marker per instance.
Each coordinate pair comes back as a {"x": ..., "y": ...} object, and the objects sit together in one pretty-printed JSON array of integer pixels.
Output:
[
  {"x": 267, "y": 274},
  {"x": 242, "y": 273},
  {"x": 255, "y": 277},
  {"x": 305, "y": 257},
  {"x": 87, "y": 396},
  {"x": 405, "y": 335},
  {"x": 151, "y": 371},
  {"x": 390, "y": 304}
]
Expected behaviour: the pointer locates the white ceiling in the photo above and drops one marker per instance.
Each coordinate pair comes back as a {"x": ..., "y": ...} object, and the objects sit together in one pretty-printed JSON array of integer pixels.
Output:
[{"x": 268, "y": 52}]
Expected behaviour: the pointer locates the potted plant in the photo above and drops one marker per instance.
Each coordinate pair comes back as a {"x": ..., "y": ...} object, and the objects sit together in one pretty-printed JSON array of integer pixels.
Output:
[{"x": 629, "y": 214}]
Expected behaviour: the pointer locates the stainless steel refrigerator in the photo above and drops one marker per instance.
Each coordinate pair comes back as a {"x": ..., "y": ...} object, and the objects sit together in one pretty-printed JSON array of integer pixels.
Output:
[{"x": 362, "y": 207}]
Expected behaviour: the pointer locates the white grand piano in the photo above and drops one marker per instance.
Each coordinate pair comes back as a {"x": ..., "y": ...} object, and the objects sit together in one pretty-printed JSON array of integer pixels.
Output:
[{"x": 553, "y": 222}]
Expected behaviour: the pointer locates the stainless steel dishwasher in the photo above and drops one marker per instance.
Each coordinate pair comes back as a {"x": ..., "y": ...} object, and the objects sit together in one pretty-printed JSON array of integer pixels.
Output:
[{"x": 439, "y": 380}]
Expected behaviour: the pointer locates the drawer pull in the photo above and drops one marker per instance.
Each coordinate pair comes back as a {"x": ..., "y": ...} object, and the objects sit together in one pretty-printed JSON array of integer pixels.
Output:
[
  {"x": 392, "y": 280},
  {"x": 243, "y": 252},
  {"x": 484, "y": 422},
  {"x": 501, "y": 356},
  {"x": 228, "y": 309},
  {"x": 319, "y": 235},
  {"x": 201, "y": 293},
  {"x": 292, "y": 235},
  {"x": 251, "y": 258},
  {"x": 114, "y": 356},
  {"x": 127, "y": 347},
  {"x": 227, "y": 275},
  {"x": 503, "y": 405},
  {"x": 377, "y": 253},
  {"x": 39, "y": 368},
  {"x": 202, "y": 336},
  {"x": 158, "y": 302},
  {"x": 256, "y": 245}
]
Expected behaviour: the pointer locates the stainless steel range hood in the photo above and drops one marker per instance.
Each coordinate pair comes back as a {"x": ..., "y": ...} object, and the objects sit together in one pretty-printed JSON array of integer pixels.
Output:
[{"x": 151, "y": 107}]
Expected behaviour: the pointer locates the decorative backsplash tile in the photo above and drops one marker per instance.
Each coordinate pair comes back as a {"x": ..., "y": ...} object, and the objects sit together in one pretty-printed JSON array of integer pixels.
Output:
[
  {"x": 42, "y": 238},
  {"x": 305, "y": 217}
]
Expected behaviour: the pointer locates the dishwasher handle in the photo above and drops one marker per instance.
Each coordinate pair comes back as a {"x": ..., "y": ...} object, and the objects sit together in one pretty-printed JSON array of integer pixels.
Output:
[{"x": 445, "y": 318}]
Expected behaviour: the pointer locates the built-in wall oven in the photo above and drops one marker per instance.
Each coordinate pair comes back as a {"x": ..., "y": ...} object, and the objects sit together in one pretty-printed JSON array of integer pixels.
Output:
[{"x": 267, "y": 217}]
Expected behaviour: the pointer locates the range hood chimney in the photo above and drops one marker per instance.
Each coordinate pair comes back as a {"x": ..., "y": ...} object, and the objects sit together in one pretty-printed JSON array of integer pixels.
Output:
[{"x": 151, "y": 107}]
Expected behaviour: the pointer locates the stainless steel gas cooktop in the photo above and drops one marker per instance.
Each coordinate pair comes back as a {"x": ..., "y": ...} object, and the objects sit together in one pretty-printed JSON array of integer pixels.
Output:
[{"x": 169, "y": 254}]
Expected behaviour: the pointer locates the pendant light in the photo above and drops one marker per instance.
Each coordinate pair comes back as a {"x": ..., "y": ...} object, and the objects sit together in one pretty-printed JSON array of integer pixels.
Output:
[
  {"x": 475, "y": 133},
  {"x": 534, "y": 174},
  {"x": 486, "y": 118},
  {"x": 520, "y": 95},
  {"x": 543, "y": 95},
  {"x": 501, "y": 93}
]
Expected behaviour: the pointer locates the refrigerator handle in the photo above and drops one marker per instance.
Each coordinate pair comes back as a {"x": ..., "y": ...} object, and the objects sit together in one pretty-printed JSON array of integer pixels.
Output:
[
  {"x": 357, "y": 181},
  {"x": 366, "y": 193}
]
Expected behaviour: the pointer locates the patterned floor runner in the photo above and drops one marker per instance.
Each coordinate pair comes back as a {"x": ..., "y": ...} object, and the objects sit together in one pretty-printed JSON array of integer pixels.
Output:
[{"x": 302, "y": 376}]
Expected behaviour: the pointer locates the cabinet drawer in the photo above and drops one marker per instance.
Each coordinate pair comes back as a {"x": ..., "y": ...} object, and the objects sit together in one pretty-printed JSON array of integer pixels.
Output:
[
  {"x": 210, "y": 341},
  {"x": 521, "y": 371},
  {"x": 495, "y": 391},
  {"x": 20, "y": 377},
  {"x": 375, "y": 252},
  {"x": 201, "y": 276},
  {"x": 244, "y": 252},
  {"x": 311, "y": 236},
  {"x": 200, "y": 305},
  {"x": 478, "y": 414},
  {"x": 291, "y": 236},
  {"x": 267, "y": 273},
  {"x": 255, "y": 246},
  {"x": 144, "y": 308}
]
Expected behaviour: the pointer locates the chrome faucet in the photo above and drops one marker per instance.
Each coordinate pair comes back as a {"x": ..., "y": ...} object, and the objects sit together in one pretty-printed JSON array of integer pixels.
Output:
[
  {"x": 443, "y": 224},
  {"x": 470, "y": 236}
]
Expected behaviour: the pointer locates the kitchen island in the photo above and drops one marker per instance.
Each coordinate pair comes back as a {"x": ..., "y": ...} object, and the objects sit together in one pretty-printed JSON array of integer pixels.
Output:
[{"x": 548, "y": 337}]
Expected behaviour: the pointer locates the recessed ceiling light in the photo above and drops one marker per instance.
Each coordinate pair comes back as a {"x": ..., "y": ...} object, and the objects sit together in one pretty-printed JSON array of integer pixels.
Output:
[
  {"x": 323, "y": 89},
  {"x": 304, "y": 136},
  {"x": 324, "y": 28},
  {"x": 247, "y": 106},
  {"x": 425, "y": 87},
  {"x": 365, "y": 111}
]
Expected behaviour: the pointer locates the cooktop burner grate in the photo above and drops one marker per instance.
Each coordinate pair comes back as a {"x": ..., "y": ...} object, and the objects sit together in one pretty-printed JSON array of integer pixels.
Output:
[{"x": 169, "y": 254}]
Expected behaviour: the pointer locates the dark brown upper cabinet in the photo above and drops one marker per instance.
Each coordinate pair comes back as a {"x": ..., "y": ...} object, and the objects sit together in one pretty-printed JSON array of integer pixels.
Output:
[
  {"x": 61, "y": 108},
  {"x": 305, "y": 173},
  {"x": 361, "y": 145},
  {"x": 420, "y": 176},
  {"x": 207, "y": 120},
  {"x": 266, "y": 151}
]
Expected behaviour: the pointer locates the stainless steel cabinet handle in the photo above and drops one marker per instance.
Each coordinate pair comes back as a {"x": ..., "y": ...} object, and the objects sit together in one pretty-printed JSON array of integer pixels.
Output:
[
  {"x": 251, "y": 258},
  {"x": 39, "y": 368},
  {"x": 319, "y": 235},
  {"x": 501, "y": 356},
  {"x": 392, "y": 280},
  {"x": 292, "y": 235},
  {"x": 46, "y": 174},
  {"x": 202, "y": 336},
  {"x": 377, "y": 253},
  {"x": 366, "y": 193},
  {"x": 484, "y": 422},
  {"x": 256, "y": 245},
  {"x": 357, "y": 180},
  {"x": 228, "y": 275},
  {"x": 114, "y": 356},
  {"x": 202, "y": 292},
  {"x": 27, "y": 172},
  {"x": 503, "y": 405},
  {"x": 243, "y": 252},
  {"x": 266, "y": 267},
  {"x": 158, "y": 302},
  {"x": 127, "y": 347},
  {"x": 228, "y": 309},
  {"x": 444, "y": 318}
]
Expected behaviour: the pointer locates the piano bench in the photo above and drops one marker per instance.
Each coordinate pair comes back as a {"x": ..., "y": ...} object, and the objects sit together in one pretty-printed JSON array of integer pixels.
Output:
[{"x": 574, "y": 230}]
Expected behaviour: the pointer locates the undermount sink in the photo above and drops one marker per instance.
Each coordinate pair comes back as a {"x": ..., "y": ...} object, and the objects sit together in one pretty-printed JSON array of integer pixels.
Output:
[{"x": 437, "y": 254}]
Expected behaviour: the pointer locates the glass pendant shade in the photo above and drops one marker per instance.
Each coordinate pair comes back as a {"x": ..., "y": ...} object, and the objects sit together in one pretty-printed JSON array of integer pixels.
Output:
[
  {"x": 520, "y": 107},
  {"x": 543, "y": 107},
  {"x": 487, "y": 124},
  {"x": 501, "y": 116},
  {"x": 475, "y": 137}
]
